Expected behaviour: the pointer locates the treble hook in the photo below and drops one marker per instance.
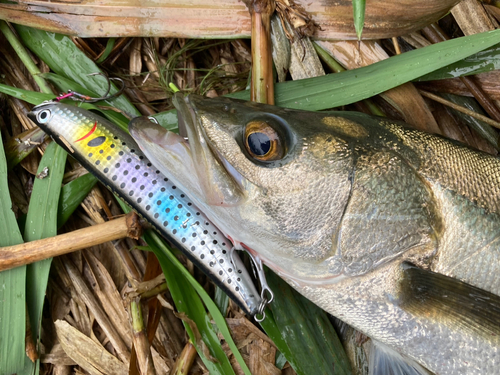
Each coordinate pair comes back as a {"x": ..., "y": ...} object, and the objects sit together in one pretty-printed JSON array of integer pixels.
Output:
[
  {"x": 88, "y": 99},
  {"x": 266, "y": 294}
]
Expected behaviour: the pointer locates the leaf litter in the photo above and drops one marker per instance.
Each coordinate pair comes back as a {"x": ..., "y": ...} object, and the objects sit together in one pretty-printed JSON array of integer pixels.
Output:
[{"x": 86, "y": 319}]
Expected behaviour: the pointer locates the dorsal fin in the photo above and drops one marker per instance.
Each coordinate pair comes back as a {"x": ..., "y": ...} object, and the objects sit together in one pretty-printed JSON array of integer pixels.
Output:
[{"x": 451, "y": 301}]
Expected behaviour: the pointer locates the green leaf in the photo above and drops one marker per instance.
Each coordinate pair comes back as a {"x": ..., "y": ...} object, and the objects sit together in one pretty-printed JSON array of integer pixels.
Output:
[
  {"x": 109, "y": 47},
  {"x": 63, "y": 57},
  {"x": 186, "y": 293},
  {"x": 41, "y": 222},
  {"x": 481, "y": 62},
  {"x": 72, "y": 194},
  {"x": 31, "y": 97},
  {"x": 221, "y": 299},
  {"x": 313, "y": 345},
  {"x": 12, "y": 286},
  {"x": 358, "y": 8},
  {"x": 168, "y": 120},
  {"x": 24, "y": 56},
  {"x": 335, "y": 90}
]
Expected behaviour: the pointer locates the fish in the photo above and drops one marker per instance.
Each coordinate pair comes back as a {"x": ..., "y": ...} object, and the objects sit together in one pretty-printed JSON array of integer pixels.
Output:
[
  {"x": 394, "y": 231},
  {"x": 116, "y": 160}
]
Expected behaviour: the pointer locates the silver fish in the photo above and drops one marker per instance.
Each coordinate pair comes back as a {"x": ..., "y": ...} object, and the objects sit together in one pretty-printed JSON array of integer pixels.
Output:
[{"x": 394, "y": 231}]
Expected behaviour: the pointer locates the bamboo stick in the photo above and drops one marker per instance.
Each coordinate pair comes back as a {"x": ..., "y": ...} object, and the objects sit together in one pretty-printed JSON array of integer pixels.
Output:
[{"x": 30, "y": 252}]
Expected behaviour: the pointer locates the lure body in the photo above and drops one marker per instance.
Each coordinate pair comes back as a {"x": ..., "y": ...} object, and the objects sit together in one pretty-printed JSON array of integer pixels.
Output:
[{"x": 116, "y": 160}]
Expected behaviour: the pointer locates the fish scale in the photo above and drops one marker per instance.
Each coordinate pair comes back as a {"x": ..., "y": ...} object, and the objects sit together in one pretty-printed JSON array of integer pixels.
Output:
[{"x": 116, "y": 160}]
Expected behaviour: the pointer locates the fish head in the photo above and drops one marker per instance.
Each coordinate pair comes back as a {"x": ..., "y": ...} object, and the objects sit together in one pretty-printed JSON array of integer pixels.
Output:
[{"x": 274, "y": 180}]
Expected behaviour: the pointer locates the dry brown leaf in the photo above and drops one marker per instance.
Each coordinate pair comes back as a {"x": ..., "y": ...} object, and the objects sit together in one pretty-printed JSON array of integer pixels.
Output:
[
  {"x": 160, "y": 363},
  {"x": 109, "y": 296},
  {"x": 258, "y": 350},
  {"x": 241, "y": 328},
  {"x": 84, "y": 351},
  {"x": 471, "y": 17},
  {"x": 135, "y": 64},
  {"x": 57, "y": 356},
  {"x": 262, "y": 357},
  {"x": 123, "y": 350},
  {"x": 215, "y": 19},
  {"x": 199, "y": 341}
]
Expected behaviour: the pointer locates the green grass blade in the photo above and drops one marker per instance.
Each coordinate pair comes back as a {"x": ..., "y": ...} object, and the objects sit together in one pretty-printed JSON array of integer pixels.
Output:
[
  {"x": 25, "y": 57},
  {"x": 109, "y": 47},
  {"x": 335, "y": 90},
  {"x": 12, "y": 285},
  {"x": 41, "y": 222},
  {"x": 271, "y": 328},
  {"x": 358, "y": 8},
  {"x": 186, "y": 294},
  {"x": 481, "y": 62},
  {"x": 64, "y": 58},
  {"x": 313, "y": 345},
  {"x": 221, "y": 299},
  {"x": 31, "y": 97},
  {"x": 72, "y": 194}
]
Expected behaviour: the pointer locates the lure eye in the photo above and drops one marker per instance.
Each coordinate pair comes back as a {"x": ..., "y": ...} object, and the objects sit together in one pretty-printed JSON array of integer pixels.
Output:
[
  {"x": 43, "y": 116},
  {"x": 262, "y": 142}
]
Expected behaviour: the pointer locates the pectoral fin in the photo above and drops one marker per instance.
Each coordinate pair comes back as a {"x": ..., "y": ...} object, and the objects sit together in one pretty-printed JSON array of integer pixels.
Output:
[
  {"x": 450, "y": 301},
  {"x": 386, "y": 361}
]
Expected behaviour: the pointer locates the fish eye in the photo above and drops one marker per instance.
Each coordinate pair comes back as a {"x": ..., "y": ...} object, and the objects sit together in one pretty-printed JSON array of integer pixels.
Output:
[
  {"x": 262, "y": 141},
  {"x": 43, "y": 116}
]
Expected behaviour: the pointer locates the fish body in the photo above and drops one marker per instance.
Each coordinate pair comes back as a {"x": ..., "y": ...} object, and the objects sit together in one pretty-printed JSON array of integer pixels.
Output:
[
  {"x": 117, "y": 161},
  {"x": 394, "y": 231}
]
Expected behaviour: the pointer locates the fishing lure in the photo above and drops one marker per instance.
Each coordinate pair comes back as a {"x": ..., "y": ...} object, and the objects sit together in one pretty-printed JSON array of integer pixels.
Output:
[{"x": 115, "y": 159}]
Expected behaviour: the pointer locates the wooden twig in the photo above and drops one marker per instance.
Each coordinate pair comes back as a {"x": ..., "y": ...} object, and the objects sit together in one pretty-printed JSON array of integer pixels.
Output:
[
  {"x": 459, "y": 108},
  {"x": 19, "y": 255}
]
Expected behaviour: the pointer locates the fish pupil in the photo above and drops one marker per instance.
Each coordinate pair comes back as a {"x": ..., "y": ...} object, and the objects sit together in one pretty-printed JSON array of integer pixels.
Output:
[{"x": 259, "y": 143}]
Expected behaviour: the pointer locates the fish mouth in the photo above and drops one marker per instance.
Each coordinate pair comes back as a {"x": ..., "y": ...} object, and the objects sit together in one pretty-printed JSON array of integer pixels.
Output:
[{"x": 221, "y": 184}]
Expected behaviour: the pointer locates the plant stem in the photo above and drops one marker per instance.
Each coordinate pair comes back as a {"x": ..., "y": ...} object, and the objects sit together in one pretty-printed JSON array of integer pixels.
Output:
[
  {"x": 141, "y": 343},
  {"x": 30, "y": 252},
  {"x": 262, "y": 84},
  {"x": 25, "y": 57}
]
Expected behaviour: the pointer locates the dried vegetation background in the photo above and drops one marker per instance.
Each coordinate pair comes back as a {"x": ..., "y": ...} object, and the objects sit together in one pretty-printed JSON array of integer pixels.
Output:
[{"x": 86, "y": 326}]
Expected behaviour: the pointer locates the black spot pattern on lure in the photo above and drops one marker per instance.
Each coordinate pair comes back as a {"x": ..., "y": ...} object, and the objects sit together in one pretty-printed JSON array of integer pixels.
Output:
[{"x": 97, "y": 141}]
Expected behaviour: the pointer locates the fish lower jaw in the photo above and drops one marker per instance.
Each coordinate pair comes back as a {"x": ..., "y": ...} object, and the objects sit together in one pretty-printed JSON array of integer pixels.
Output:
[{"x": 291, "y": 278}]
